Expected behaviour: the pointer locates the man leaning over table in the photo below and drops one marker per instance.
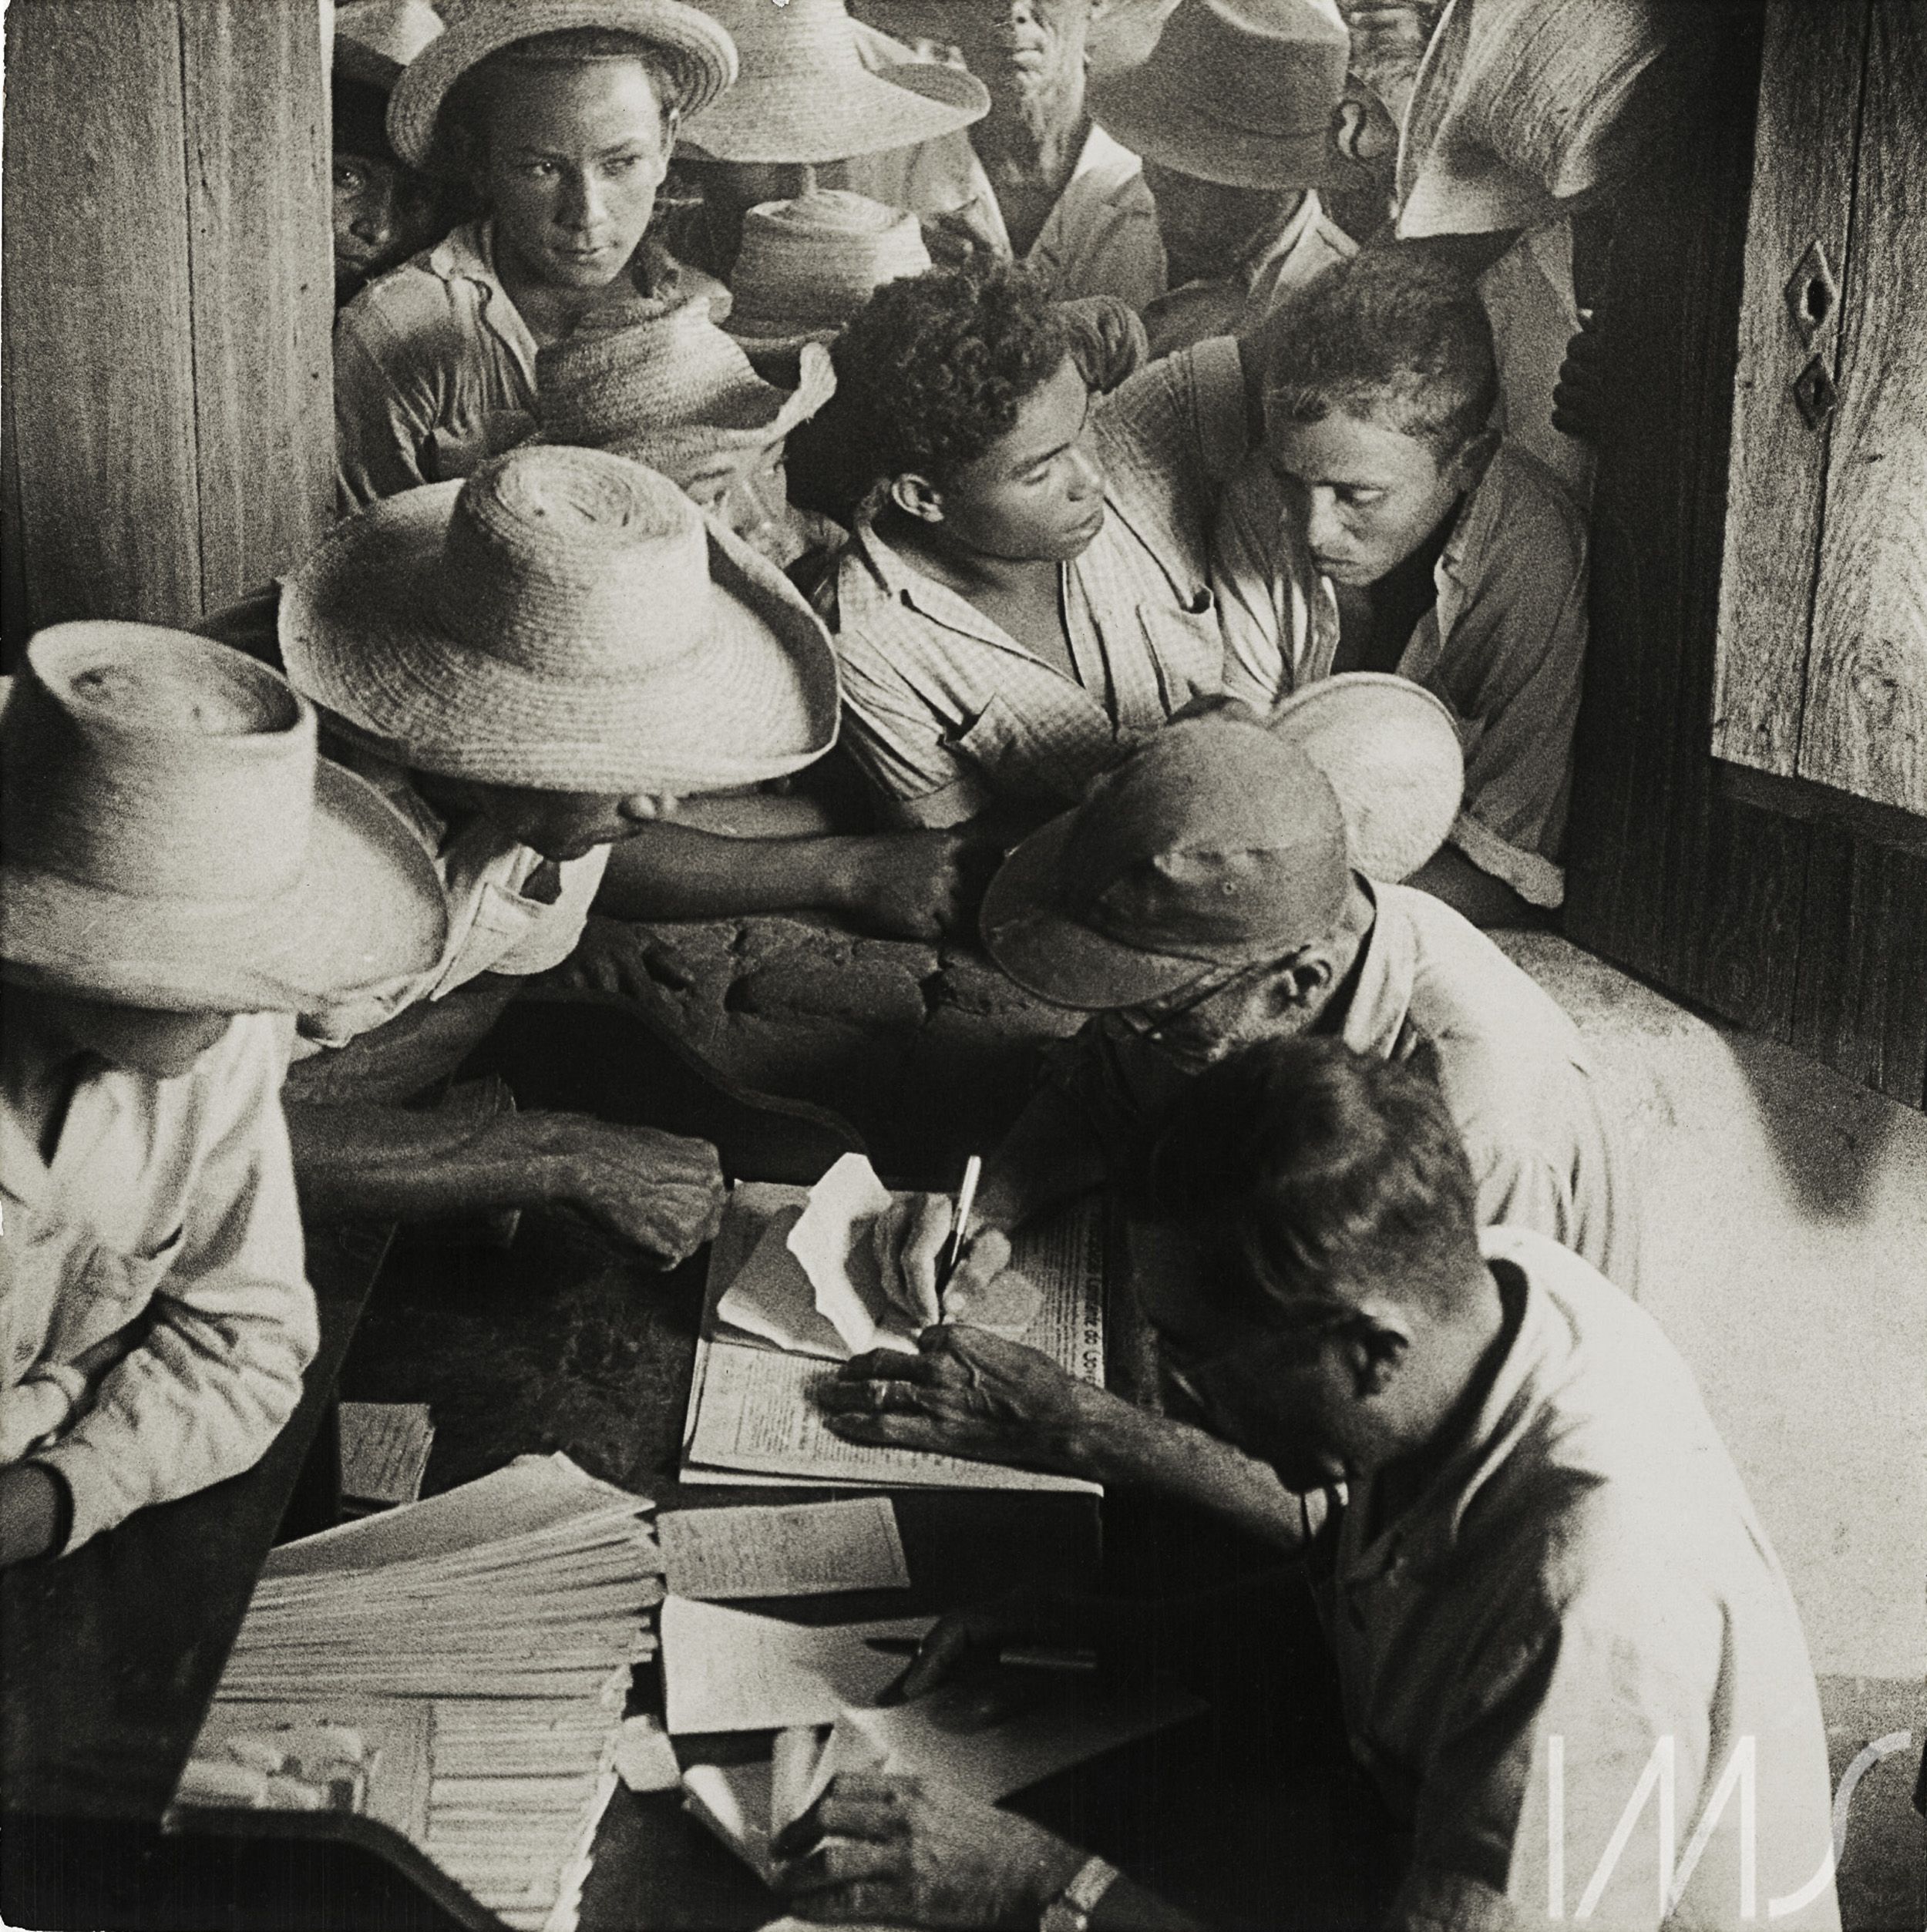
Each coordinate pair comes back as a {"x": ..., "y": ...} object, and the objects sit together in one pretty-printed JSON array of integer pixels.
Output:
[
  {"x": 1543, "y": 1580},
  {"x": 1225, "y": 887}
]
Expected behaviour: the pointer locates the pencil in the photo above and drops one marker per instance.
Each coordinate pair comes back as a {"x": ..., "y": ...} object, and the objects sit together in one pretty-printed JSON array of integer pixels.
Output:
[{"x": 966, "y": 1197}]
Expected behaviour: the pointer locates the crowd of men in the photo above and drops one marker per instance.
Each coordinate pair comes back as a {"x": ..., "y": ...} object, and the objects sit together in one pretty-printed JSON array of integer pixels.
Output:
[{"x": 1081, "y": 480}]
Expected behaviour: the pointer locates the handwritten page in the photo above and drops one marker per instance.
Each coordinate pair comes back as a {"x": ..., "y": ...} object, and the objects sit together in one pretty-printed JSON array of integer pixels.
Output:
[
  {"x": 726, "y": 1670},
  {"x": 778, "y": 1550},
  {"x": 753, "y": 1415},
  {"x": 384, "y": 1451}
]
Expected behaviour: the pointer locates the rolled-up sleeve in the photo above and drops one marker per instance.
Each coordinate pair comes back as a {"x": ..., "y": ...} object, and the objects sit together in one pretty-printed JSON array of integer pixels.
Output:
[{"x": 217, "y": 1370}]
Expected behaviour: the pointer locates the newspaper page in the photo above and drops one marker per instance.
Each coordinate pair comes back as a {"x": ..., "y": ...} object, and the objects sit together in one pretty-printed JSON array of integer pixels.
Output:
[{"x": 752, "y": 1412}]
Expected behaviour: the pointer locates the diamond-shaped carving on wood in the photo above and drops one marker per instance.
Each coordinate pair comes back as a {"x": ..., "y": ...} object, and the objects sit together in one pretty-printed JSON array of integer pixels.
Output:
[
  {"x": 1812, "y": 294},
  {"x": 1814, "y": 393}
]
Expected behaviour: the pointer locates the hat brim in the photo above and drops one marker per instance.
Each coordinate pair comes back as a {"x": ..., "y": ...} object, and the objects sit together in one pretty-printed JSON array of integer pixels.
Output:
[
  {"x": 700, "y": 48},
  {"x": 368, "y": 908},
  {"x": 679, "y": 444},
  {"x": 1154, "y": 112},
  {"x": 1390, "y": 751},
  {"x": 1037, "y": 943},
  {"x": 755, "y": 698},
  {"x": 780, "y": 118}
]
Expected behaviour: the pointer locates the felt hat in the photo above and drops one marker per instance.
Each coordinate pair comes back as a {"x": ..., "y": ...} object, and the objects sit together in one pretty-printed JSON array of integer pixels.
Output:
[
  {"x": 1521, "y": 105},
  {"x": 804, "y": 94},
  {"x": 660, "y": 383},
  {"x": 1216, "y": 843},
  {"x": 375, "y": 39},
  {"x": 565, "y": 620},
  {"x": 172, "y": 841},
  {"x": 699, "y": 52},
  {"x": 1237, "y": 91},
  {"x": 807, "y": 266}
]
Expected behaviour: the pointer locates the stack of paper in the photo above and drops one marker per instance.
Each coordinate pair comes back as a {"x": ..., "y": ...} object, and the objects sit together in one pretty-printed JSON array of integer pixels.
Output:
[
  {"x": 793, "y": 1289},
  {"x": 384, "y": 1453},
  {"x": 501, "y": 1621}
]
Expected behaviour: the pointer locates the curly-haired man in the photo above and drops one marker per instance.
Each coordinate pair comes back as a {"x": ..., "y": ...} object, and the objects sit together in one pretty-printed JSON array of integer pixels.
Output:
[{"x": 1027, "y": 591}]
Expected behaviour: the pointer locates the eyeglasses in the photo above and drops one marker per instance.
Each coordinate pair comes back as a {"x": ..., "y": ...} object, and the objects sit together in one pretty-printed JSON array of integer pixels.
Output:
[{"x": 1150, "y": 1020}]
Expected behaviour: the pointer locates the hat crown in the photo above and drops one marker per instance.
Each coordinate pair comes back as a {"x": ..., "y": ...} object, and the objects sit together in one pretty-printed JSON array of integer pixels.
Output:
[
  {"x": 1264, "y": 66},
  {"x": 1212, "y": 841},
  {"x": 813, "y": 262},
  {"x": 572, "y": 563},
  {"x": 802, "y": 39},
  {"x": 157, "y": 765}
]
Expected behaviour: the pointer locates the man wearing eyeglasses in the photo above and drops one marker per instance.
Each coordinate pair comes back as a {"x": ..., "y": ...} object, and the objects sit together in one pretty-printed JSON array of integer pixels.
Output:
[{"x": 1204, "y": 899}]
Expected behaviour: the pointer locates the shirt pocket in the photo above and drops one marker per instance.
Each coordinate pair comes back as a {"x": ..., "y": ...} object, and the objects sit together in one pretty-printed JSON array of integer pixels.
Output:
[
  {"x": 104, "y": 1291},
  {"x": 1187, "y": 649},
  {"x": 1023, "y": 760},
  {"x": 456, "y": 450}
]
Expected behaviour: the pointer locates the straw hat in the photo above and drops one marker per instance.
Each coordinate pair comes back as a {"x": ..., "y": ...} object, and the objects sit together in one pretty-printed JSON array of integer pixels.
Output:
[
  {"x": 807, "y": 266},
  {"x": 660, "y": 383},
  {"x": 701, "y": 55},
  {"x": 172, "y": 841},
  {"x": 1522, "y": 105},
  {"x": 1216, "y": 843},
  {"x": 564, "y": 620},
  {"x": 805, "y": 94},
  {"x": 375, "y": 39},
  {"x": 1237, "y": 91}
]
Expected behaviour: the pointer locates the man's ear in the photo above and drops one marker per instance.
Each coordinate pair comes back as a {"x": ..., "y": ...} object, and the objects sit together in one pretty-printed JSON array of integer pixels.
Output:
[
  {"x": 917, "y": 496},
  {"x": 1377, "y": 1354},
  {"x": 1349, "y": 121},
  {"x": 1469, "y": 465}
]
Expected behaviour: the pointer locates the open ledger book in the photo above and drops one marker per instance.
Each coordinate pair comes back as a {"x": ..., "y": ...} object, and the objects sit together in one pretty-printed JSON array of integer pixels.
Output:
[{"x": 777, "y": 1321}]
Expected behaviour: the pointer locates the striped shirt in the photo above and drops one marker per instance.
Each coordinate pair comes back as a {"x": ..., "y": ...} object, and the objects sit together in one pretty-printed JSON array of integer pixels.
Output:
[{"x": 948, "y": 713}]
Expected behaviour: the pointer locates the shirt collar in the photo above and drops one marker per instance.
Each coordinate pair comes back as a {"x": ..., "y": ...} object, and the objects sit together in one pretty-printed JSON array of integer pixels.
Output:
[
  {"x": 1382, "y": 994},
  {"x": 902, "y": 582},
  {"x": 1279, "y": 242}
]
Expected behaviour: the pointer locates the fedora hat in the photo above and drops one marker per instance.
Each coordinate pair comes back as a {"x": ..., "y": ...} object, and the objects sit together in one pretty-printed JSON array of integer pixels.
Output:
[
  {"x": 804, "y": 92},
  {"x": 1522, "y": 106},
  {"x": 1217, "y": 844},
  {"x": 172, "y": 841},
  {"x": 375, "y": 39},
  {"x": 1237, "y": 91},
  {"x": 807, "y": 266},
  {"x": 659, "y": 382},
  {"x": 565, "y": 620},
  {"x": 698, "y": 52}
]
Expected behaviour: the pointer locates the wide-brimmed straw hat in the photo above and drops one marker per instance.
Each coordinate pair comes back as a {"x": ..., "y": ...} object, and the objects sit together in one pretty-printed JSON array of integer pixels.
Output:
[
  {"x": 375, "y": 39},
  {"x": 1237, "y": 91},
  {"x": 698, "y": 50},
  {"x": 1522, "y": 106},
  {"x": 659, "y": 382},
  {"x": 804, "y": 94},
  {"x": 172, "y": 841},
  {"x": 565, "y": 620},
  {"x": 807, "y": 266},
  {"x": 1216, "y": 843}
]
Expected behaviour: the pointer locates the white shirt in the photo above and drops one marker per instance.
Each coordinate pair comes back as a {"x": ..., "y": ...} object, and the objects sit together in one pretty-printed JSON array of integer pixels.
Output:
[
  {"x": 1585, "y": 1568},
  {"x": 155, "y": 1314}
]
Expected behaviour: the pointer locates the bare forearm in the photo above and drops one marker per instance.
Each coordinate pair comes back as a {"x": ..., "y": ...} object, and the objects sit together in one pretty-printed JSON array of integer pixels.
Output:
[
  {"x": 1048, "y": 1157},
  {"x": 361, "y": 1160},
  {"x": 1126, "y": 1446},
  {"x": 672, "y": 872}
]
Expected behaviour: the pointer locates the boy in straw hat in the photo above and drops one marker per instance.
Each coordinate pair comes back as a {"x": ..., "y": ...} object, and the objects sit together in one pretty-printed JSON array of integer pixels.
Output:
[
  {"x": 663, "y": 386},
  {"x": 179, "y": 873},
  {"x": 530, "y": 667},
  {"x": 384, "y": 210},
  {"x": 1226, "y": 887},
  {"x": 561, "y": 114},
  {"x": 1233, "y": 112},
  {"x": 1543, "y": 1585},
  {"x": 1441, "y": 551}
]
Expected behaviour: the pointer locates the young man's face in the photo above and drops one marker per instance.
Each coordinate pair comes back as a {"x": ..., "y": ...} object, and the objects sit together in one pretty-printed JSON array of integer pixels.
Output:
[
  {"x": 747, "y": 490},
  {"x": 384, "y": 212},
  {"x": 163, "y": 1045},
  {"x": 1207, "y": 228},
  {"x": 574, "y": 156},
  {"x": 1037, "y": 491},
  {"x": 1370, "y": 495}
]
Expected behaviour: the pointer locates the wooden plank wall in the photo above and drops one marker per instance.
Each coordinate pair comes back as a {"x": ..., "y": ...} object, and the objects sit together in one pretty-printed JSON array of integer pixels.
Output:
[
  {"x": 167, "y": 305},
  {"x": 1780, "y": 911}
]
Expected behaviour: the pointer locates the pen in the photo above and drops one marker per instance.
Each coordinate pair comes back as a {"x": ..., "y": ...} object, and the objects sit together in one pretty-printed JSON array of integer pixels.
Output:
[
  {"x": 1022, "y": 1657},
  {"x": 966, "y": 1198}
]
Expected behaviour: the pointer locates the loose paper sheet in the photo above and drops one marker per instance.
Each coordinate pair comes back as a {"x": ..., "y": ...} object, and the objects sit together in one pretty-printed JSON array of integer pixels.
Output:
[
  {"x": 784, "y": 1550},
  {"x": 384, "y": 1450},
  {"x": 752, "y": 1412},
  {"x": 645, "y": 1758},
  {"x": 726, "y": 1670}
]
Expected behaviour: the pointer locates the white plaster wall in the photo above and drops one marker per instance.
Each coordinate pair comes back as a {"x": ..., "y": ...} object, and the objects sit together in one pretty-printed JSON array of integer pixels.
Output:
[{"x": 1786, "y": 1255}]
